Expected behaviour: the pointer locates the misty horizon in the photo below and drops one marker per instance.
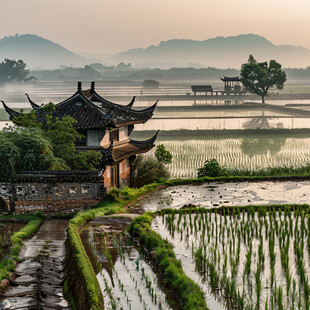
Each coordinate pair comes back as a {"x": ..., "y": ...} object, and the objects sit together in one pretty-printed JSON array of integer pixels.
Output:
[{"x": 219, "y": 52}]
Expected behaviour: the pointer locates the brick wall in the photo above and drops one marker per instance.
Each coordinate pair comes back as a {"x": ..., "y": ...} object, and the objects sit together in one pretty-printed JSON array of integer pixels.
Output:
[{"x": 54, "y": 197}]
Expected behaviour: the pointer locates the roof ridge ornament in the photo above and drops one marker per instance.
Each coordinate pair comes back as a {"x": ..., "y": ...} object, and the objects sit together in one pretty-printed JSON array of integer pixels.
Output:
[
  {"x": 34, "y": 105},
  {"x": 92, "y": 87},
  {"x": 79, "y": 86},
  {"x": 130, "y": 104}
]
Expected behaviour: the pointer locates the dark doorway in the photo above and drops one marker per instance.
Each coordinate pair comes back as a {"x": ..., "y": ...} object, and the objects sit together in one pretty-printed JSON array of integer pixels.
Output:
[{"x": 115, "y": 176}]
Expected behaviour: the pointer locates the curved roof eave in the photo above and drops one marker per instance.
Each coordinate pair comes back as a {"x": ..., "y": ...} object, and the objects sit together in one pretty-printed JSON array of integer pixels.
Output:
[
  {"x": 148, "y": 141},
  {"x": 10, "y": 111}
]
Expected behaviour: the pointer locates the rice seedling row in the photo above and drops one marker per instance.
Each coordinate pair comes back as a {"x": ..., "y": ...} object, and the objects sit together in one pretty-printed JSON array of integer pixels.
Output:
[
  {"x": 126, "y": 279},
  {"x": 252, "y": 152},
  {"x": 247, "y": 258}
]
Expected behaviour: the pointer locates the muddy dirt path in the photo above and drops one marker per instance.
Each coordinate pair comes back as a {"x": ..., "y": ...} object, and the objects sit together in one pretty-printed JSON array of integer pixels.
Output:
[{"x": 40, "y": 276}]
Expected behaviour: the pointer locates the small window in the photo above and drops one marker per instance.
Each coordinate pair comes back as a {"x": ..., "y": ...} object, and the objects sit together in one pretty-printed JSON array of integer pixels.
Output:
[
  {"x": 85, "y": 189},
  {"x": 72, "y": 190},
  {"x": 114, "y": 135}
]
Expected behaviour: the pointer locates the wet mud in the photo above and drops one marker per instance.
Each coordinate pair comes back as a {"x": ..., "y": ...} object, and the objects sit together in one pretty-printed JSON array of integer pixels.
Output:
[
  {"x": 213, "y": 195},
  {"x": 40, "y": 275}
]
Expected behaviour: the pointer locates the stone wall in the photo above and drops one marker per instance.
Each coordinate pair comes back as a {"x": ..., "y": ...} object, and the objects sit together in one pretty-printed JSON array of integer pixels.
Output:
[{"x": 48, "y": 197}]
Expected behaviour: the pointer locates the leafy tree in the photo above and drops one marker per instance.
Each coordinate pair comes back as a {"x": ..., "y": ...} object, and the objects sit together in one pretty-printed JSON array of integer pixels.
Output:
[
  {"x": 13, "y": 71},
  {"x": 90, "y": 160},
  {"x": 163, "y": 155},
  {"x": 212, "y": 168},
  {"x": 262, "y": 77},
  {"x": 24, "y": 149},
  {"x": 62, "y": 134}
]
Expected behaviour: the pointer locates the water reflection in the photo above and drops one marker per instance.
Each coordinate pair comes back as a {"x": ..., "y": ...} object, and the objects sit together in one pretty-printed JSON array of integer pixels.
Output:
[
  {"x": 262, "y": 144},
  {"x": 6, "y": 231},
  {"x": 126, "y": 279}
]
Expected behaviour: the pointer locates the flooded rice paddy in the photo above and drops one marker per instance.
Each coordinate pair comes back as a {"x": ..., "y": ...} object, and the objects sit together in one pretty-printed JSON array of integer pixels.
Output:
[
  {"x": 243, "y": 151},
  {"x": 246, "y": 259},
  {"x": 213, "y": 195},
  {"x": 125, "y": 277}
]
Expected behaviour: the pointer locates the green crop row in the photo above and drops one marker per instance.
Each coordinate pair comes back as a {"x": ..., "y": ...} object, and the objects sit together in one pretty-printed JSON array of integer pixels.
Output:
[
  {"x": 186, "y": 293},
  {"x": 81, "y": 275}
]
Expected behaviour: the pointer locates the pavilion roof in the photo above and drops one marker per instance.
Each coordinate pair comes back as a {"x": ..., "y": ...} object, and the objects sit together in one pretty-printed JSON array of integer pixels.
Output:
[
  {"x": 122, "y": 114},
  {"x": 93, "y": 111},
  {"x": 201, "y": 88},
  {"x": 130, "y": 148},
  {"x": 230, "y": 79},
  {"x": 87, "y": 114}
]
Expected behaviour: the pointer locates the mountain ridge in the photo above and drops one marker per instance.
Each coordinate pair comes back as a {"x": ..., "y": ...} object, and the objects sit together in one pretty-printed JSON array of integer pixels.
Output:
[
  {"x": 220, "y": 52},
  {"x": 38, "y": 52}
]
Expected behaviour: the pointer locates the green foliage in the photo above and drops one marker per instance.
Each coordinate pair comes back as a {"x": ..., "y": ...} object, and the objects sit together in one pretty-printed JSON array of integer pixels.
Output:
[
  {"x": 12, "y": 71},
  {"x": 186, "y": 292},
  {"x": 126, "y": 194},
  {"x": 162, "y": 155},
  {"x": 146, "y": 170},
  {"x": 24, "y": 149},
  {"x": 260, "y": 77},
  {"x": 62, "y": 134},
  {"x": 35, "y": 221},
  {"x": 27, "y": 120},
  {"x": 90, "y": 160},
  {"x": 212, "y": 168}
]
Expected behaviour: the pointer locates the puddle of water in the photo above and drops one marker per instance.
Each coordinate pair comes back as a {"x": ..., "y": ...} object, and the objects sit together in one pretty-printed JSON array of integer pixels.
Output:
[
  {"x": 125, "y": 277},
  {"x": 6, "y": 231},
  {"x": 229, "y": 194}
]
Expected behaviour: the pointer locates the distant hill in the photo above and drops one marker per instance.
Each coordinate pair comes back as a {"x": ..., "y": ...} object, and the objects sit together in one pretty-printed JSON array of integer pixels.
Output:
[
  {"x": 219, "y": 52},
  {"x": 37, "y": 52}
]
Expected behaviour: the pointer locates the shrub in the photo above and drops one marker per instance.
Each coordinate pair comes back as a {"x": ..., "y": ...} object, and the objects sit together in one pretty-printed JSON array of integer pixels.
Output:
[
  {"x": 146, "y": 170},
  {"x": 163, "y": 155},
  {"x": 212, "y": 168}
]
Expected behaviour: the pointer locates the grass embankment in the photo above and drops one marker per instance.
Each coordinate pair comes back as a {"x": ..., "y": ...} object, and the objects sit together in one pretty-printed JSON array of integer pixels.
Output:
[
  {"x": 82, "y": 288},
  {"x": 184, "y": 291},
  {"x": 247, "y": 176},
  {"x": 34, "y": 221},
  {"x": 228, "y": 210}
]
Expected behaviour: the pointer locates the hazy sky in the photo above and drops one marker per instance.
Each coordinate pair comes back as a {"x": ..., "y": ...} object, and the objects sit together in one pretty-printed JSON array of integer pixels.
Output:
[{"x": 109, "y": 26}]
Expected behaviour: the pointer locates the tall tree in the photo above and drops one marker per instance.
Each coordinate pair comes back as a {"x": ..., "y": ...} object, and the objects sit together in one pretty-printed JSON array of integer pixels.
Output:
[
  {"x": 13, "y": 71},
  {"x": 262, "y": 77}
]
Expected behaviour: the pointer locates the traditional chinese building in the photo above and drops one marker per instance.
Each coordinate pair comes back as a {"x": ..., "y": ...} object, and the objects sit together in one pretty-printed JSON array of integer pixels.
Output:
[
  {"x": 105, "y": 127},
  {"x": 231, "y": 84}
]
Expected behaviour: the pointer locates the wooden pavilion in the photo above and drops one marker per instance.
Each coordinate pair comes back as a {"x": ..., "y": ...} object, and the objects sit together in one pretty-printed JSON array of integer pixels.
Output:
[{"x": 232, "y": 84}]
